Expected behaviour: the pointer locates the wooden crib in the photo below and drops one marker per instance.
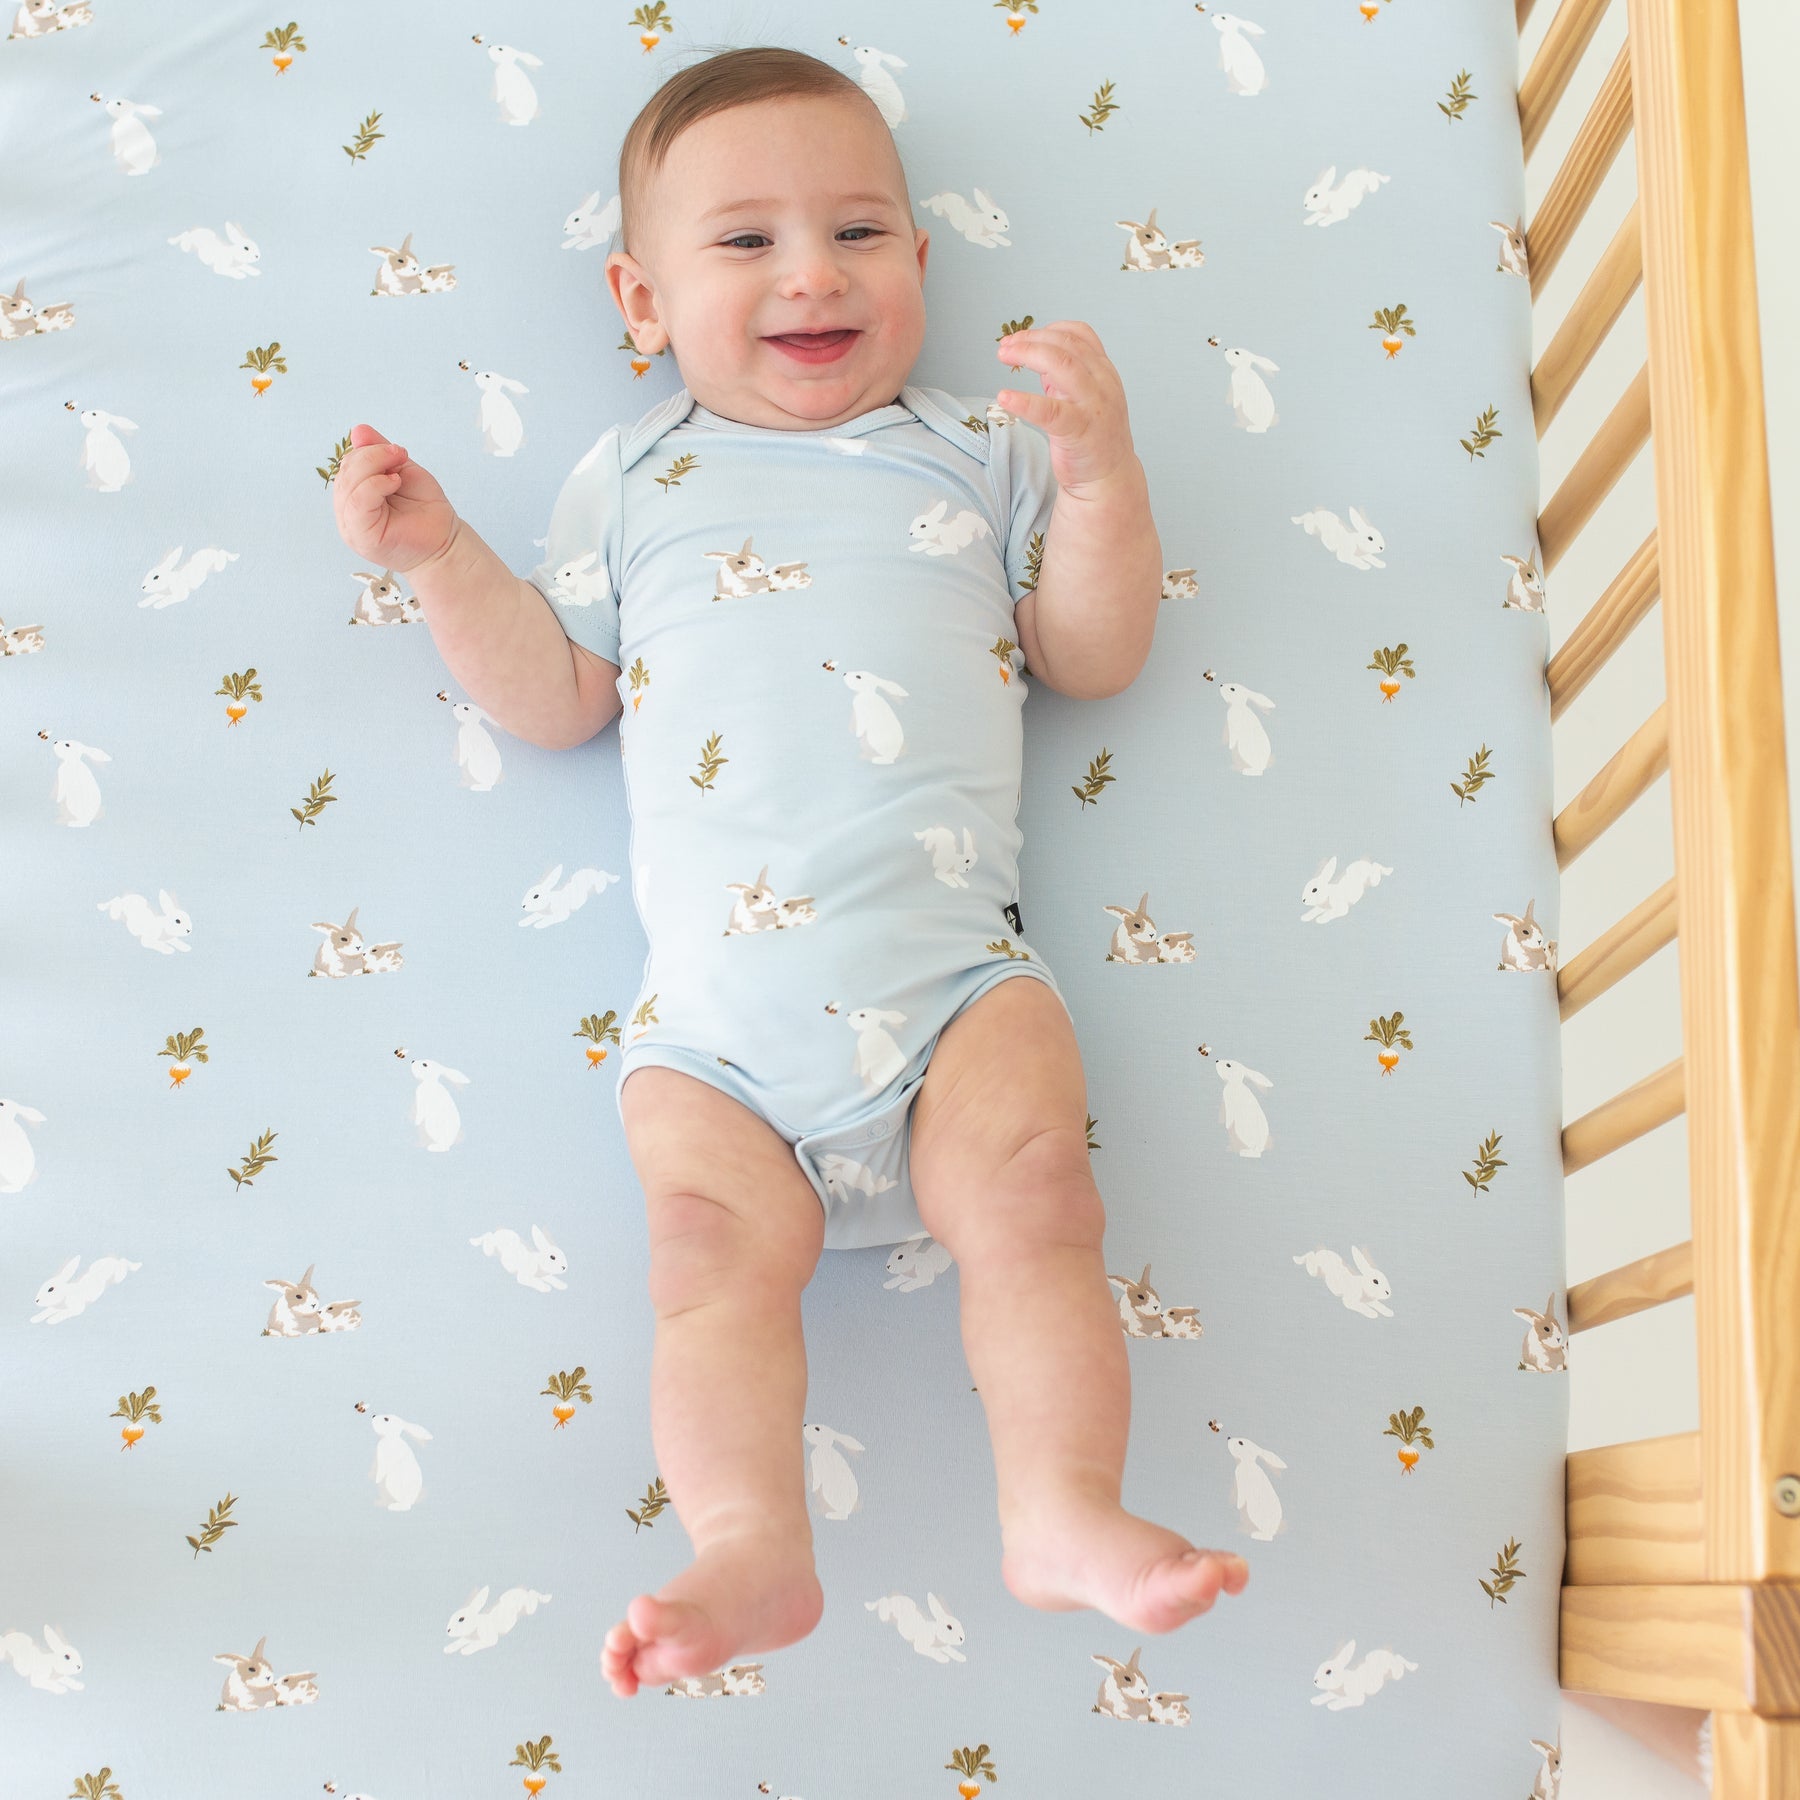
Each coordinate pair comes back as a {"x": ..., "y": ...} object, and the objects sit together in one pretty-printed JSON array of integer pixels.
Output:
[{"x": 1682, "y": 1582}]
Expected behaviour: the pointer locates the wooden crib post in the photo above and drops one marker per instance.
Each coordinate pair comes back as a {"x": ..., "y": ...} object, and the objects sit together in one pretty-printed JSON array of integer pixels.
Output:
[{"x": 1683, "y": 1583}]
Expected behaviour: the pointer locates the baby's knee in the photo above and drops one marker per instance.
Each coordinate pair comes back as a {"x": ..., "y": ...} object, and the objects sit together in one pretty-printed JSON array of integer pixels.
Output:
[{"x": 703, "y": 1251}]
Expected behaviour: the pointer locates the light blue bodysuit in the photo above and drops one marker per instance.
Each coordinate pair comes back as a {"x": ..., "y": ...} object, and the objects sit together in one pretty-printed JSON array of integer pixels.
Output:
[{"x": 821, "y": 737}]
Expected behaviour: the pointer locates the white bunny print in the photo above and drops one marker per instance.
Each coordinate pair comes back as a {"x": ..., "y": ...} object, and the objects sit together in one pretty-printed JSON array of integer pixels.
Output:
[
  {"x": 1344, "y": 1686},
  {"x": 829, "y": 1471},
  {"x": 936, "y": 1637},
  {"x": 982, "y": 223}
]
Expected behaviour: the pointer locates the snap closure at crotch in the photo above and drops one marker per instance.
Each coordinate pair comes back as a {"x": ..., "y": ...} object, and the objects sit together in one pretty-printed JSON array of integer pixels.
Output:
[{"x": 880, "y": 1129}]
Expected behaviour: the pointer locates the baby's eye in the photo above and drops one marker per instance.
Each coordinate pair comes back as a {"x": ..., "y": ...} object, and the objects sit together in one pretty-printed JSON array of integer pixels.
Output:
[{"x": 732, "y": 243}]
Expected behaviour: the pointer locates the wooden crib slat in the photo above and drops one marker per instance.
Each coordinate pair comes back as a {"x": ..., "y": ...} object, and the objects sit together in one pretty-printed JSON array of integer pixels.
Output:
[
  {"x": 1641, "y": 1107},
  {"x": 1610, "y": 452},
  {"x": 1608, "y": 623},
  {"x": 1634, "y": 1288},
  {"x": 1755, "y": 1758},
  {"x": 1570, "y": 33},
  {"x": 1632, "y": 1513},
  {"x": 1642, "y": 758},
  {"x": 1717, "y": 1645},
  {"x": 1617, "y": 951},
  {"x": 1596, "y": 310},
  {"x": 1572, "y": 189},
  {"x": 1740, "y": 997}
]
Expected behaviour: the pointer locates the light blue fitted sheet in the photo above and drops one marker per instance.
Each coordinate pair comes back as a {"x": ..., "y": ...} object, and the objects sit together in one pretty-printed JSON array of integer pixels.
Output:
[{"x": 225, "y": 737}]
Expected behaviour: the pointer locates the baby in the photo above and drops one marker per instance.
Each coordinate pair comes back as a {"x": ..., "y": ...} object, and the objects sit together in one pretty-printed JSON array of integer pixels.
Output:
[{"x": 799, "y": 571}]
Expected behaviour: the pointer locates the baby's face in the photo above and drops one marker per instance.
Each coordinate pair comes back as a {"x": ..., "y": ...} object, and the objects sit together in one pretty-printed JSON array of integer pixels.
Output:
[{"x": 773, "y": 218}]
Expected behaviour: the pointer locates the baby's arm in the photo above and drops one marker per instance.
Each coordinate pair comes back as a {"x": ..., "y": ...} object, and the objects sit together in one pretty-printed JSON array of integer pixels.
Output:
[{"x": 501, "y": 640}]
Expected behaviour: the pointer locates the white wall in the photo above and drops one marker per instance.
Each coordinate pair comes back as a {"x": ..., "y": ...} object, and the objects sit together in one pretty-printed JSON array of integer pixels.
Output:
[{"x": 1636, "y": 1378}]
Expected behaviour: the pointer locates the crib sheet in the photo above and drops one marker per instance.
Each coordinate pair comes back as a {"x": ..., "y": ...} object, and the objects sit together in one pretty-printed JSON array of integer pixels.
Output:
[{"x": 1297, "y": 884}]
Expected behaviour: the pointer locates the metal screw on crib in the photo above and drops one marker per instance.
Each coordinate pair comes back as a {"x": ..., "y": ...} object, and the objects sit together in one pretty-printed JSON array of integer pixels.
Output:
[{"x": 1787, "y": 1496}]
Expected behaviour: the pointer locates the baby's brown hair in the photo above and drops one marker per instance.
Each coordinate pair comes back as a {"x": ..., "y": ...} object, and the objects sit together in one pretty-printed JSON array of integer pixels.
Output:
[{"x": 736, "y": 77}]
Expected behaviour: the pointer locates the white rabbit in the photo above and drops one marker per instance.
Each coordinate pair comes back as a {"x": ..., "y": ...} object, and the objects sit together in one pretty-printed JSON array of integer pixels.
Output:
[
  {"x": 583, "y": 580},
  {"x": 134, "y": 150},
  {"x": 54, "y": 1670},
  {"x": 502, "y": 430},
  {"x": 876, "y": 725},
  {"x": 1244, "y": 72},
  {"x": 878, "y": 1059},
  {"x": 916, "y": 1263},
  {"x": 936, "y": 1637},
  {"x": 982, "y": 223},
  {"x": 513, "y": 92},
  {"x": 1244, "y": 734},
  {"x": 165, "y": 585},
  {"x": 1246, "y": 1124},
  {"x": 1345, "y": 1686},
  {"x": 18, "y": 1157},
  {"x": 829, "y": 1469},
  {"x": 740, "y": 572},
  {"x": 66, "y": 1294},
  {"x": 234, "y": 255},
  {"x": 1252, "y": 405},
  {"x": 1252, "y": 1492},
  {"x": 1362, "y": 1291},
  {"x": 166, "y": 931},
  {"x": 878, "y": 84},
  {"x": 1525, "y": 588},
  {"x": 434, "y": 1113},
  {"x": 477, "y": 755},
  {"x": 754, "y": 909},
  {"x": 1328, "y": 206},
  {"x": 548, "y": 904},
  {"x": 296, "y": 1310},
  {"x": 73, "y": 787},
  {"x": 395, "y": 1470},
  {"x": 1330, "y": 896},
  {"x": 590, "y": 224},
  {"x": 1359, "y": 544},
  {"x": 540, "y": 1267},
  {"x": 105, "y": 459},
  {"x": 950, "y": 865},
  {"x": 929, "y": 531},
  {"x": 845, "y": 1179},
  {"x": 471, "y": 1629}
]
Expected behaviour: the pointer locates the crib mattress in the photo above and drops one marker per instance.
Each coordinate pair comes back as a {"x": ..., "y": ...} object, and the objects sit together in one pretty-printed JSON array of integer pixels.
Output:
[{"x": 1325, "y": 1114}]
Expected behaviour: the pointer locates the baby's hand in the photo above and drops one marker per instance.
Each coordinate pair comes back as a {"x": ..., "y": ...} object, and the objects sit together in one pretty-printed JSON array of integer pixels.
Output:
[
  {"x": 1082, "y": 407},
  {"x": 390, "y": 511}
]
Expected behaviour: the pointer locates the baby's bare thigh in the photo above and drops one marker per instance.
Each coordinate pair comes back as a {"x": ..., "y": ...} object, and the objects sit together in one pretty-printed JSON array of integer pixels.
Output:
[{"x": 718, "y": 1180}]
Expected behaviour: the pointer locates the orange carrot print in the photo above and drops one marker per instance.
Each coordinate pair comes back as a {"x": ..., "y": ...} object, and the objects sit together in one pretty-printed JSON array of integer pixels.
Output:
[
  {"x": 183, "y": 1045},
  {"x": 1392, "y": 320},
  {"x": 1410, "y": 1428},
  {"x": 1391, "y": 665},
  {"x": 565, "y": 1388},
  {"x": 134, "y": 1409},
  {"x": 969, "y": 1764},
  {"x": 653, "y": 22},
  {"x": 600, "y": 1029},
  {"x": 1388, "y": 1033},
  {"x": 239, "y": 690},
  {"x": 284, "y": 40},
  {"x": 536, "y": 1759}
]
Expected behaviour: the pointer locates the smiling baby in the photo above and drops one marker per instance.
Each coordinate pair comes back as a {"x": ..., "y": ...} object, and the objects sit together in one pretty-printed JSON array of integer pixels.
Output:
[{"x": 812, "y": 592}]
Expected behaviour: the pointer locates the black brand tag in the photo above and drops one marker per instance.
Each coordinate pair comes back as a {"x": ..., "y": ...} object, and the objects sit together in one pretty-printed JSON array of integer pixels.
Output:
[{"x": 1015, "y": 919}]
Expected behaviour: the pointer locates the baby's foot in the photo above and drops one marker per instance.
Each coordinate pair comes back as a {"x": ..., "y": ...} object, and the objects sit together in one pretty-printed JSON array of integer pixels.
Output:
[
  {"x": 755, "y": 1592},
  {"x": 1087, "y": 1552}
]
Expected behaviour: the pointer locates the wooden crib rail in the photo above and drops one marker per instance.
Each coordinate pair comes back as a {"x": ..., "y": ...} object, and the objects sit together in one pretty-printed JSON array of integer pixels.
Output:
[{"x": 1682, "y": 1581}]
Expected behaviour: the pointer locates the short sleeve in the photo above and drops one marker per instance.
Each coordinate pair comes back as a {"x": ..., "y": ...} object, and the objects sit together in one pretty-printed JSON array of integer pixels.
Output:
[
  {"x": 579, "y": 573},
  {"x": 1019, "y": 456}
]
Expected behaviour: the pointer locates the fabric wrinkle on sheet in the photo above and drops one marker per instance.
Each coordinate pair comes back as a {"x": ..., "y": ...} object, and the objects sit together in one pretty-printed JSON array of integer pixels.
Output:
[{"x": 822, "y": 741}]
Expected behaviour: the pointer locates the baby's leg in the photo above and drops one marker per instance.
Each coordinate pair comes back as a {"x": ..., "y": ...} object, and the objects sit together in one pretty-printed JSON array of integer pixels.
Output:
[
  {"x": 1001, "y": 1175},
  {"x": 735, "y": 1233}
]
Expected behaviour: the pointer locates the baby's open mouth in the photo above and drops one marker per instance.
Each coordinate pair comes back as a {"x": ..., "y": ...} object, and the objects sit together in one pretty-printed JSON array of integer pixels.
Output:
[{"x": 814, "y": 346}]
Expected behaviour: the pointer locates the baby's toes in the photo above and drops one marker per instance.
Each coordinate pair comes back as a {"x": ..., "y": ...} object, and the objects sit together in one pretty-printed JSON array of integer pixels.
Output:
[{"x": 617, "y": 1655}]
